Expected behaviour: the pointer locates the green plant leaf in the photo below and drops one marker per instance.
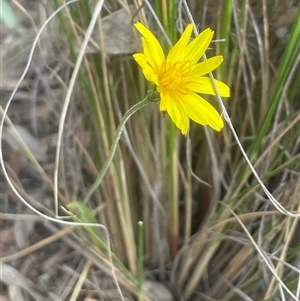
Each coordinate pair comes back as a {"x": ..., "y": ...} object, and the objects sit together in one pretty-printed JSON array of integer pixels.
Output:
[{"x": 8, "y": 17}]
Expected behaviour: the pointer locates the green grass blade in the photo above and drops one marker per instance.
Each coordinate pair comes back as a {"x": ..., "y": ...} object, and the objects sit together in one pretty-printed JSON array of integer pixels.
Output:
[{"x": 291, "y": 51}]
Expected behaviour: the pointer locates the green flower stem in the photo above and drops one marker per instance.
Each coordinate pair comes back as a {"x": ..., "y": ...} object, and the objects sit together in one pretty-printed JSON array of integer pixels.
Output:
[{"x": 114, "y": 145}]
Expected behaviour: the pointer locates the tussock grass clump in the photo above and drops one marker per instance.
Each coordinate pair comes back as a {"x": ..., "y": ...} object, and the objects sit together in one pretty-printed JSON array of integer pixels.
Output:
[{"x": 122, "y": 206}]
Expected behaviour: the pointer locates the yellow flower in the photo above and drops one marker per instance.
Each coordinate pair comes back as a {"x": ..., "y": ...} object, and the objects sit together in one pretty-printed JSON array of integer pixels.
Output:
[{"x": 179, "y": 77}]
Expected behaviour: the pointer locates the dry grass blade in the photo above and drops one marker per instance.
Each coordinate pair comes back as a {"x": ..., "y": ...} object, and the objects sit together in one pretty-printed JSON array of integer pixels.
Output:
[
  {"x": 38, "y": 245},
  {"x": 265, "y": 259},
  {"x": 80, "y": 281}
]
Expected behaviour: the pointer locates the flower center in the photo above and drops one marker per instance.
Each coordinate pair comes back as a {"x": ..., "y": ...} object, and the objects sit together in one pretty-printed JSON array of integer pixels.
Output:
[{"x": 172, "y": 78}]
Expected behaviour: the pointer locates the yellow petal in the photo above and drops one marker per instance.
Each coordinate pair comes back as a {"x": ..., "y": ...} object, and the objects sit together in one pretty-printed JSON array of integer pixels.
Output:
[
  {"x": 146, "y": 68},
  {"x": 175, "y": 110},
  {"x": 177, "y": 52},
  {"x": 206, "y": 66},
  {"x": 202, "y": 112},
  {"x": 152, "y": 48},
  {"x": 198, "y": 46},
  {"x": 204, "y": 86}
]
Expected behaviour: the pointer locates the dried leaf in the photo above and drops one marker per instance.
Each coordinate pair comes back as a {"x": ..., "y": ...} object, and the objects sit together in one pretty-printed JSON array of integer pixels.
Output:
[
  {"x": 15, "y": 293},
  {"x": 22, "y": 230},
  {"x": 287, "y": 18},
  {"x": 156, "y": 291},
  {"x": 10, "y": 276},
  {"x": 119, "y": 36}
]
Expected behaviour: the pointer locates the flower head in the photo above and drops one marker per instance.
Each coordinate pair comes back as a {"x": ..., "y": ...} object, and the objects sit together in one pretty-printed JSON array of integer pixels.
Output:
[{"x": 179, "y": 77}]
